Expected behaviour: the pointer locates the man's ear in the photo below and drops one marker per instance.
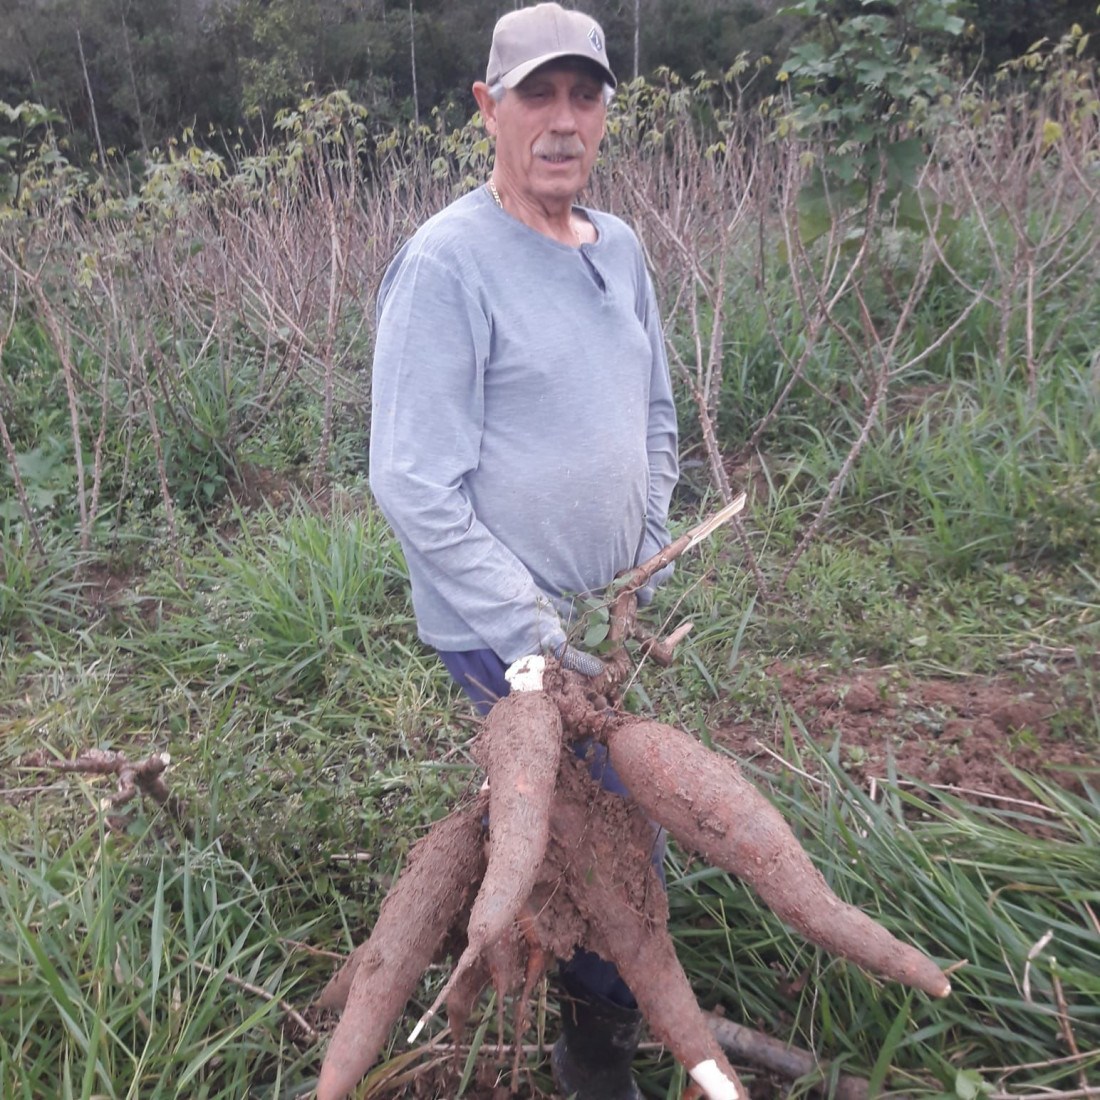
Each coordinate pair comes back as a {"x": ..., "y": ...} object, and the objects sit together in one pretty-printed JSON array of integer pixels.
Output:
[{"x": 487, "y": 105}]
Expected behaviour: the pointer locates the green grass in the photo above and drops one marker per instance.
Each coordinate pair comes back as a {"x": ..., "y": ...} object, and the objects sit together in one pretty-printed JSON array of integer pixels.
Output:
[
  {"x": 128, "y": 958},
  {"x": 39, "y": 593}
]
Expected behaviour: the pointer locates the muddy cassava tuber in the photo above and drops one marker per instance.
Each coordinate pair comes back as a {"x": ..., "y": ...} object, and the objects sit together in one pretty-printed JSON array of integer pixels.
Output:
[
  {"x": 381, "y": 975},
  {"x": 569, "y": 866},
  {"x": 709, "y": 807}
]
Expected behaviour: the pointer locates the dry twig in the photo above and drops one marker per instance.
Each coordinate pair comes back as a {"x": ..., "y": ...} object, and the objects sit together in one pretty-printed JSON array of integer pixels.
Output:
[{"x": 145, "y": 776}]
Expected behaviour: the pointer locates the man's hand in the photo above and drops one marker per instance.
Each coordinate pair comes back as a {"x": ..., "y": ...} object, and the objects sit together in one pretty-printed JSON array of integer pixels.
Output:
[{"x": 576, "y": 660}]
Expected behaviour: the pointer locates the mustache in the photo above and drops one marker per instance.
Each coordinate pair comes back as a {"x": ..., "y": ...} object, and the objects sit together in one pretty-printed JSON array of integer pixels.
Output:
[{"x": 566, "y": 147}]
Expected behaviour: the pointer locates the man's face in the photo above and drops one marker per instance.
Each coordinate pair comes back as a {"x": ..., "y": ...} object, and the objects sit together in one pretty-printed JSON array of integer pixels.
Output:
[{"x": 548, "y": 131}]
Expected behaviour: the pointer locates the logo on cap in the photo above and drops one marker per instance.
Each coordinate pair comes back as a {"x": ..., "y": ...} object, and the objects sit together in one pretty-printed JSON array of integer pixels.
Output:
[{"x": 594, "y": 38}]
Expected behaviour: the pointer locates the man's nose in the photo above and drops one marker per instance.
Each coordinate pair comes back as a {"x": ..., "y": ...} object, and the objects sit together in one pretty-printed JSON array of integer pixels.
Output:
[{"x": 564, "y": 118}]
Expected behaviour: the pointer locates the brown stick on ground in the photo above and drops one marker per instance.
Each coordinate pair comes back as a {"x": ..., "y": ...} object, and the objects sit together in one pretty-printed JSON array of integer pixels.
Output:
[
  {"x": 380, "y": 976},
  {"x": 764, "y": 1050},
  {"x": 145, "y": 775},
  {"x": 708, "y": 806}
]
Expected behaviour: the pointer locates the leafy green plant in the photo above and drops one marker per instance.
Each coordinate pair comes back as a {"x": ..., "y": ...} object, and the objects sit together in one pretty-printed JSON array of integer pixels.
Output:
[
  {"x": 864, "y": 79},
  {"x": 46, "y": 472},
  {"x": 26, "y": 144}
]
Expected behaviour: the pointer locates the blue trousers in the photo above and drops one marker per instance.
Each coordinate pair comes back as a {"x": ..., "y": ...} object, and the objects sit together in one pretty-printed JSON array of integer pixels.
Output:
[{"x": 480, "y": 673}]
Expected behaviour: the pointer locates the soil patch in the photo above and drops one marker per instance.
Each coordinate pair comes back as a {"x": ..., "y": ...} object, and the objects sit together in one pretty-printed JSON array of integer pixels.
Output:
[{"x": 972, "y": 736}]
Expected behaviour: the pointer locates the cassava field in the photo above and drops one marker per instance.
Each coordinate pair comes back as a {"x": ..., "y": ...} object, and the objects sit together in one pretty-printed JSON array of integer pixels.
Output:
[{"x": 893, "y": 351}]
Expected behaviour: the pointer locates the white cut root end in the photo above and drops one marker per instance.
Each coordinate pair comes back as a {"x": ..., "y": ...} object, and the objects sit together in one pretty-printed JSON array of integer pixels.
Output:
[
  {"x": 526, "y": 673},
  {"x": 419, "y": 1026},
  {"x": 714, "y": 1082}
]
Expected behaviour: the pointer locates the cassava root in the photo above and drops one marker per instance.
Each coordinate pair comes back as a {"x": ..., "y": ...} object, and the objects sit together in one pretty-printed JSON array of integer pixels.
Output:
[
  {"x": 709, "y": 807},
  {"x": 376, "y": 982},
  {"x": 596, "y": 888},
  {"x": 569, "y": 866},
  {"x": 519, "y": 747},
  {"x": 630, "y": 915}
]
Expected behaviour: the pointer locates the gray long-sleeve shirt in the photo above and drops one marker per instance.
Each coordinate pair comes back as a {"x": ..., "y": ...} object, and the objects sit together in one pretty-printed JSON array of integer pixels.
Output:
[{"x": 523, "y": 433}]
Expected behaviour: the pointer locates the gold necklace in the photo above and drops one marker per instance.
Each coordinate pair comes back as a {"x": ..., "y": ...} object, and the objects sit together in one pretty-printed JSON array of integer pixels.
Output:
[{"x": 496, "y": 198}]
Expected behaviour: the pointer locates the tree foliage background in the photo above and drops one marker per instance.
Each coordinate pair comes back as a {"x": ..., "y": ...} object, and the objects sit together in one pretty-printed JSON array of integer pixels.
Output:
[{"x": 126, "y": 74}]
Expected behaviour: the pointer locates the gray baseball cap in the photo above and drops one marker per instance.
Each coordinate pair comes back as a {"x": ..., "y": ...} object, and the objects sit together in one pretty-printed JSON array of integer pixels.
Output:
[{"x": 525, "y": 39}]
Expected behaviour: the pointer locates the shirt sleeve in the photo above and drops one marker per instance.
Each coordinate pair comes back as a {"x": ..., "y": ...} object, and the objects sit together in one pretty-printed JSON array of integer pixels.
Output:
[
  {"x": 661, "y": 435},
  {"x": 431, "y": 348}
]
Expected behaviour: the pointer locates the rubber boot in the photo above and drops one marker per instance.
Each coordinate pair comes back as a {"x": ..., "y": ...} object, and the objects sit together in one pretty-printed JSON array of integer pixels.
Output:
[{"x": 592, "y": 1057}]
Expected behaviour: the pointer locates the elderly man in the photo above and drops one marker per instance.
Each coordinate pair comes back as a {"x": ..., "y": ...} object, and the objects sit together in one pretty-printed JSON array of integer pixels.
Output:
[{"x": 523, "y": 436}]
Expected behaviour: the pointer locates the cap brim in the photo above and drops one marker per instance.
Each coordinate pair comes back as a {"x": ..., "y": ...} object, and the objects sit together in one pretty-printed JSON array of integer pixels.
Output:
[{"x": 521, "y": 72}]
